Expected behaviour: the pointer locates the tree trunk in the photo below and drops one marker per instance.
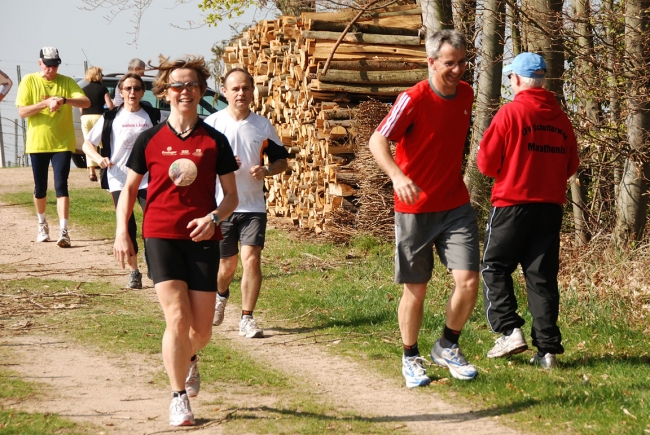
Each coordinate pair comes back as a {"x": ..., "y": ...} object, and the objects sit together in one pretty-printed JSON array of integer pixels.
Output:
[
  {"x": 489, "y": 94},
  {"x": 360, "y": 27},
  {"x": 591, "y": 110},
  {"x": 543, "y": 36},
  {"x": 632, "y": 202},
  {"x": 515, "y": 29},
  {"x": 375, "y": 77},
  {"x": 362, "y": 38},
  {"x": 465, "y": 23},
  {"x": 436, "y": 15}
]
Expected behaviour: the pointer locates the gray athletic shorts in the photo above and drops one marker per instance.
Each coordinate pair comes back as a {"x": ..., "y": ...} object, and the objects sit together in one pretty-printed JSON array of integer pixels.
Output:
[
  {"x": 247, "y": 228},
  {"x": 454, "y": 233}
]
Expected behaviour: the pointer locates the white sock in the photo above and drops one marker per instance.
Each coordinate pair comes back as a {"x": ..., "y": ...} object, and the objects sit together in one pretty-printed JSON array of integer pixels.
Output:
[
  {"x": 63, "y": 224},
  {"x": 41, "y": 218}
]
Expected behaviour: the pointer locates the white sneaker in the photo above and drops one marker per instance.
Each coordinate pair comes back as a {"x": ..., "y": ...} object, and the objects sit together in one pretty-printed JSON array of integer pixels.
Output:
[
  {"x": 414, "y": 372},
  {"x": 193, "y": 380},
  {"x": 43, "y": 232},
  {"x": 508, "y": 344},
  {"x": 219, "y": 310},
  {"x": 249, "y": 329},
  {"x": 64, "y": 239},
  {"x": 180, "y": 413}
]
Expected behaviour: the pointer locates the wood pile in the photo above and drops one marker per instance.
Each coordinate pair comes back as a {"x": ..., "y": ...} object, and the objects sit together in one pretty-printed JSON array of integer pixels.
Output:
[{"x": 314, "y": 112}]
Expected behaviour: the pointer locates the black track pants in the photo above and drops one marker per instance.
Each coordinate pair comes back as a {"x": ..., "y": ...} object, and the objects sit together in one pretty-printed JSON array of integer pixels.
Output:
[{"x": 528, "y": 234}]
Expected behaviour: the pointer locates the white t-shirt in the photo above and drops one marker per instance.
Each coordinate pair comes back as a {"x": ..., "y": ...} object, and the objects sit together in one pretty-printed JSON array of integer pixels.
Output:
[
  {"x": 249, "y": 139},
  {"x": 126, "y": 127}
]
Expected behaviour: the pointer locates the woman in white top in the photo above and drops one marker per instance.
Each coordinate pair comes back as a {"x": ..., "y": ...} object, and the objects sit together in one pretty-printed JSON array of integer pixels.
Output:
[{"x": 126, "y": 123}]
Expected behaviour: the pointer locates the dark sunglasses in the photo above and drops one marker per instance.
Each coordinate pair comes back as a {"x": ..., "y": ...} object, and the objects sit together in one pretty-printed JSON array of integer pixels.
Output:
[
  {"x": 132, "y": 88},
  {"x": 178, "y": 86}
]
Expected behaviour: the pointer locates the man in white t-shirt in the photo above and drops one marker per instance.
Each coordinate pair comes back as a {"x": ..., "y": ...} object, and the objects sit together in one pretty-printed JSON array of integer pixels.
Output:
[{"x": 251, "y": 137}]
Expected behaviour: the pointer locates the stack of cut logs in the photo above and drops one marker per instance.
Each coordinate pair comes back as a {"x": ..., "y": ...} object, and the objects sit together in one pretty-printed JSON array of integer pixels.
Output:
[{"x": 314, "y": 110}]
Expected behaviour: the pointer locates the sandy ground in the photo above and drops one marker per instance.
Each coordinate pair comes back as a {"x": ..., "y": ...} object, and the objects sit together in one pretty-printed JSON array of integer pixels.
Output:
[{"x": 117, "y": 392}]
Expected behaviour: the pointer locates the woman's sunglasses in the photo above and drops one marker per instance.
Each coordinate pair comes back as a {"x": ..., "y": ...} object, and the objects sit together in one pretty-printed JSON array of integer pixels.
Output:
[
  {"x": 132, "y": 88},
  {"x": 178, "y": 86}
]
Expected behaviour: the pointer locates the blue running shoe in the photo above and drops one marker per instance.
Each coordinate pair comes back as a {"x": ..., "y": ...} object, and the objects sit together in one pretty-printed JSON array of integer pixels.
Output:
[
  {"x": 414, "y": 372},
  {"x": 454, "y": 360}
]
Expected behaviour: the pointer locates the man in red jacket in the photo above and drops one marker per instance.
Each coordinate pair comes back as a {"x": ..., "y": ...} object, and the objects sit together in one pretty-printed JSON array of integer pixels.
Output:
[{"x": 531, "y": 151}]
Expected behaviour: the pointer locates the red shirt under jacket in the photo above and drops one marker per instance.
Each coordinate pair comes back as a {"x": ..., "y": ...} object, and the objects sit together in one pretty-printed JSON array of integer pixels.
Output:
[{"x": 530, "y": 149}]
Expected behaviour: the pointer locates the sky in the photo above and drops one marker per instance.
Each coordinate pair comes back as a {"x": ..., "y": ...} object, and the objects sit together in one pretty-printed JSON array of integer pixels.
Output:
[{"x": 28, "y": 25}]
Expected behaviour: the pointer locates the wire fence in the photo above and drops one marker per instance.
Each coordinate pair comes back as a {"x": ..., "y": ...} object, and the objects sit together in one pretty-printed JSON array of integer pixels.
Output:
[{"x": 12, "y": 140}]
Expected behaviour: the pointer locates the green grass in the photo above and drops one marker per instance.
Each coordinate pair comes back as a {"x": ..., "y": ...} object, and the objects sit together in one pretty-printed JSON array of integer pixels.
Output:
[
  {"x": 604, "y": 372},
  {"x": 345, "y": 296}
]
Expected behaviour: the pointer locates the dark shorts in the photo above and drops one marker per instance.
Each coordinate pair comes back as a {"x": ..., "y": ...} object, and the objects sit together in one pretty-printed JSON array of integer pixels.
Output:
[
  {"x": 454, "y": 233},
  {"x": 247, "y": 228},
  {"x": 60, "y": 166},
  {"x": 196, "y": 263}
]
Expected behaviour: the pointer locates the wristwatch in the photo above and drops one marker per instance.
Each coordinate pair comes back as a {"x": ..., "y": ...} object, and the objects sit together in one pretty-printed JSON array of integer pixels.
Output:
[
  {"x": 65, "y": 100},
  {"x": 216, "y": 220}
]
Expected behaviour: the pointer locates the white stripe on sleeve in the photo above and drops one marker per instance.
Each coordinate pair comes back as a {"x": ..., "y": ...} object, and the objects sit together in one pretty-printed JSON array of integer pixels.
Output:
[{"x": 398, "y": 108}]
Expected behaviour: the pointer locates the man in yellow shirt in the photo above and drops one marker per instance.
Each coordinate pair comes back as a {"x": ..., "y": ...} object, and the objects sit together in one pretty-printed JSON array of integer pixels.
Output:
[{"x": 46, "y": 99}]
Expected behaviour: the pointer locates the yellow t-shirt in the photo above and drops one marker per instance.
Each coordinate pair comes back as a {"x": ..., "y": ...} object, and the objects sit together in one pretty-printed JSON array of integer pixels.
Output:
[{"x": 48, "y": 132}]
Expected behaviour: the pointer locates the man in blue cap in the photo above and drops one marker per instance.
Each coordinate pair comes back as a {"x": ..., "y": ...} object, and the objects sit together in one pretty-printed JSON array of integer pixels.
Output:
[{"x": 531, "y": 151}]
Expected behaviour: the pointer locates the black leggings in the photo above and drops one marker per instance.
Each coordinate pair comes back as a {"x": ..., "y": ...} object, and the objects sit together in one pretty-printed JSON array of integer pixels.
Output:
[
  {"x": 133, "y": 228},
  {"x": 60, "y": 166}
]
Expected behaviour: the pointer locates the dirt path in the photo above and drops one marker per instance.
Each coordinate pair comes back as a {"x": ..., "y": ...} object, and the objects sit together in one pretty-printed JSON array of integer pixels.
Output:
[{"x": 116, "y": 393}]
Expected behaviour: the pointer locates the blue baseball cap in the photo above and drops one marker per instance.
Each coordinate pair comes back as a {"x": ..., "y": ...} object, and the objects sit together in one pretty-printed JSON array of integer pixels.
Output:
[{"x": 527, "y": 65}]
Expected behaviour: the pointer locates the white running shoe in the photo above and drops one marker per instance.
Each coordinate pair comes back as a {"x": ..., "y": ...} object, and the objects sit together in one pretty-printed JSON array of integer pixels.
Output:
[
  {"x": 43, "y": 232},
  {"x": 64, "y": 239},
  {"x": 547, "y": 362},
  {"x": 414, "y": 372},
  {"x": 193, "y": 380},
  {"x": 249, "y": 329},
  {"x": 508, "y": 344},
  {"x": 180, "y": 413},
  {"x": 454, "y": 360},
  {"x": 219, "y": 310}
]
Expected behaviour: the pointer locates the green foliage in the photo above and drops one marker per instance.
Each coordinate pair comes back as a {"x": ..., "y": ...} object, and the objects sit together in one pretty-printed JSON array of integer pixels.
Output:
[{"x": 217, "y": 10}]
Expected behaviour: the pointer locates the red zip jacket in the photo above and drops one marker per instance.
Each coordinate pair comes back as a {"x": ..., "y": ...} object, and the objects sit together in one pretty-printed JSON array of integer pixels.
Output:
[{"x": 530, "y": 149}]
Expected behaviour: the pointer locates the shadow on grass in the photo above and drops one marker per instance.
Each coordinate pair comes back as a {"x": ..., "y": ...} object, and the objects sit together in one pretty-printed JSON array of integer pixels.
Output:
[
  {"x": 448, "y": 417},
  {"x": 357, "y": 322},
  {"x": 587, "y": 360}
]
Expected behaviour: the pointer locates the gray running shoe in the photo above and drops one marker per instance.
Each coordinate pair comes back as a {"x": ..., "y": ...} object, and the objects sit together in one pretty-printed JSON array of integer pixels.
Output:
[
  {"x": 219, "y": 310},
  {"x": 43, "y": 232},
  {"x": 64, "y": 239},
  {"x": 547, "y": 361},
  {"x": 180, "y": 413},
  {"x": 508, "y": 344},
  {"x": 193, "y": 380},
  {"x": 454, "y": 360},
  {"x": 249, "y": 329},
  {"x": 135, "y": 280}
]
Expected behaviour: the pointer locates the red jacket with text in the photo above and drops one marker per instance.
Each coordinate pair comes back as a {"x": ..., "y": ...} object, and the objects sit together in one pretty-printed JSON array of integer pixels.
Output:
[{"x": 530, "y": 149}]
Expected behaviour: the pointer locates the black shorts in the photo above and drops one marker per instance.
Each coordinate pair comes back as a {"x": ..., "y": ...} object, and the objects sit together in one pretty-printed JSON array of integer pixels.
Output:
[
  {"x": 245, "y": 228},
  {"x": 196, "y": 263}
]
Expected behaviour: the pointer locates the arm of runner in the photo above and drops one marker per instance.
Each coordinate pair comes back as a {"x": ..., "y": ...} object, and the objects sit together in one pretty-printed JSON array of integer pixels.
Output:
[
  {"x": 203, "y": 227},
  {"x": 27, "y": 111},
  {"x": 90, "y": 150},
  {"x": 123, "y": 248},
  {"x": 407, "y": 191}
]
